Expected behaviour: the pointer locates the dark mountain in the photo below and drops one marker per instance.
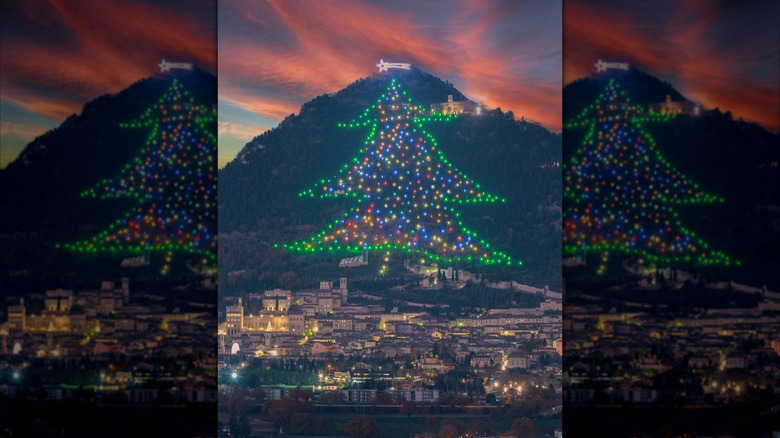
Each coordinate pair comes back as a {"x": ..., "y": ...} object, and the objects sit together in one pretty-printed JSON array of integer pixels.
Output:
[
  {"x": 643, "y": 89},
  {"x": 517, "y": 160},
  {"x": 39, "y": 191},
  {"x": 733, "y": 159}
]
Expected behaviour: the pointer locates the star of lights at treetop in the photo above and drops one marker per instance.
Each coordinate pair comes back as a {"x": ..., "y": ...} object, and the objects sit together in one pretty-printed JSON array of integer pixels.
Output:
[
  {"x": 620, "y": 193},
  {"x": 406, "y": 191},
  {"x": 172, "y": 182}
]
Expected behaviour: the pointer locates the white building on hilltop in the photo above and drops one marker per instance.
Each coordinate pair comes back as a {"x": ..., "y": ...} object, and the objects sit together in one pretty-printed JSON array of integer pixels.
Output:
[{"x": 456, "y": 107}]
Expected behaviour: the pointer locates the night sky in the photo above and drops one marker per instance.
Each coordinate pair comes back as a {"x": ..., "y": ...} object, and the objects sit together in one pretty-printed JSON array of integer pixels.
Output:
[
  {"x": 273, "y": 56},
  {"x": 55, "y": 56},
  {"x": 723, "y": 54},
  {"x": 276, "y": 55}
]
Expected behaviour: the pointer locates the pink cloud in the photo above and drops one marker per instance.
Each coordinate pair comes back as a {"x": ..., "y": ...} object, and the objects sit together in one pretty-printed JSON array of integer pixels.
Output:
[
  {"x": 20, "y": 129},
  {"x": 59, "y": 54},
  {"x": 281, "y": 54},
  {"x": 713, "y": 55},
  {"x": 237, "y": 130}
]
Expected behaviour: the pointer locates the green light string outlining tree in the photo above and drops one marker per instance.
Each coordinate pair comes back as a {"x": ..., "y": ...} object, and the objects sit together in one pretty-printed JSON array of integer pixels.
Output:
[
  {"x": 172, "y": 183},
  {"x": 406, "y": 192},
  {"x": 620, "y": 193}
]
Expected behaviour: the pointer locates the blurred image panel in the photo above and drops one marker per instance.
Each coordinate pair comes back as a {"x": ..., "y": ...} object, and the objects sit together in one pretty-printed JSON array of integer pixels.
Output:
[
  {"x": 108, "y": 221},
  {"x": 671, "y": 236}
]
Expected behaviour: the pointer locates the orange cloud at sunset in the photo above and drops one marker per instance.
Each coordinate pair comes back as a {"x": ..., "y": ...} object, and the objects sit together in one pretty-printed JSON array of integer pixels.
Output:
[
  {"x": 722, "y": 55},
  {"x": 276, "y": 55},
  {"x": 58, "y": 55}
]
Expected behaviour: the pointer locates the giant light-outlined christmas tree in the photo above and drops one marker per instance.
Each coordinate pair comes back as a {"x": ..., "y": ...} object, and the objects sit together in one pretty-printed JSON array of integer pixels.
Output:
[
  {"x": 620, "y": 193},
  {"x": 405, "y": 189},
  {"x": 172, "y": 182}
]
